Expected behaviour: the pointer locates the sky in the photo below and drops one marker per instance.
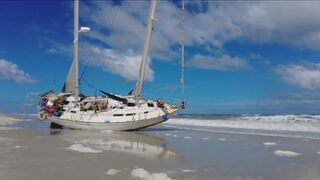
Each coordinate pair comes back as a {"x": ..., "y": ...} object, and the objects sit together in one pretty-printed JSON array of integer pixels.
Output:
[{"x": 242, "y": 57}]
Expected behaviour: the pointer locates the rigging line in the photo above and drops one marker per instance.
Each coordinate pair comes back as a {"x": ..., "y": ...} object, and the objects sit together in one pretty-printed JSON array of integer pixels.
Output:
[
  {"x": 82, "y": 74},
  {"x": 84, "y": 71},
  {"x": 89, "y": 85}
]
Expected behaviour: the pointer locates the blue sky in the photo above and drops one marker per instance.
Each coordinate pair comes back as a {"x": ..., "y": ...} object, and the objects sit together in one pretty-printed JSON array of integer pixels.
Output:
[{"x": 241, "y": 57}]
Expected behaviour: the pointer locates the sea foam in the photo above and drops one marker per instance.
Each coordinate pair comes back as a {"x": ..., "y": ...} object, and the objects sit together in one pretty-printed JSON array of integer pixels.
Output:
[
  {"x": 188, "y": 170},
  {"x": 301, "y": 123},
  {"x": 144, "y": 174},
  {"x": 286, "y": 153},
  {"x": 112, "y": 172},
  {"x": 83, "y": 149},
  {"x": 269, "y": 143}
]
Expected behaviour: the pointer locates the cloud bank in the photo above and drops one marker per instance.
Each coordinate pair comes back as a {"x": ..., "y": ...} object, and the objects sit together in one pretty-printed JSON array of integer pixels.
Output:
[
  {"x": 305, "y": 76},
  {"x": 118, "y": 31},
  {"x": 11, "y": 71},
  {"x": 224, "y": 62},
  {"x": 123, "y": 63}
]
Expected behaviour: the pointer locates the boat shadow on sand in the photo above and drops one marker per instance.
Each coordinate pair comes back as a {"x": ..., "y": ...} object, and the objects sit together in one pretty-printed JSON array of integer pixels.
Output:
[{"x": 135, "y": 143}]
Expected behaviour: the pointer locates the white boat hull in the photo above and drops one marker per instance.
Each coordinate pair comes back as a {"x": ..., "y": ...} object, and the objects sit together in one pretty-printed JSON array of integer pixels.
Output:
[{"x": 115, "y": 126}]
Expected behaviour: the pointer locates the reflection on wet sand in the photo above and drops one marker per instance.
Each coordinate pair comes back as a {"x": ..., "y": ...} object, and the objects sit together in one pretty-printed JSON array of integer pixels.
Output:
[{"x": 135, "y": 143}]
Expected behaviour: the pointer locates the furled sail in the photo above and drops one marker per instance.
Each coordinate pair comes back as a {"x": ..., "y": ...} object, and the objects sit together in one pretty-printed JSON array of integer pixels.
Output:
[
  {"x": 147, "y": 41},
  {"x": 71, "y": 84}
]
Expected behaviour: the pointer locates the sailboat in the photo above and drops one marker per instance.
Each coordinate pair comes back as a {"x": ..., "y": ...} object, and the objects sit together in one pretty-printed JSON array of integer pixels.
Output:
[{"x": 108, "y": 112}]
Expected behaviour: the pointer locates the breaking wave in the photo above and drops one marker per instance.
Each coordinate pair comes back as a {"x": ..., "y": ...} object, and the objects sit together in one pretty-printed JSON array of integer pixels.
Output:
[{"x": 294, "y": 123}]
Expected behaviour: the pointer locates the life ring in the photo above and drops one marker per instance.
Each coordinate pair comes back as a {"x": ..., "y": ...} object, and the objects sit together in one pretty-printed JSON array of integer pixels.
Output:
[{"x": 42, "y": 115}]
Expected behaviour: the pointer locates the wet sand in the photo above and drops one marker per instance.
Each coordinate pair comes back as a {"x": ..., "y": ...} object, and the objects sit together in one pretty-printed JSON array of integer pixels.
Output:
[{"x": 30, "y": 151}]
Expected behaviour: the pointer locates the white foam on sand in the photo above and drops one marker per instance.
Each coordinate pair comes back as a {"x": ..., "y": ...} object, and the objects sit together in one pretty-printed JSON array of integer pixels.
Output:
[
  {"x": 106, "y": 131},
  {"x": 144, "y": 174},
  {"x": 83, "y": 149},
  {"x": 20, "y": 147},
  {"x": 175, "y": 135},
  {"x": 286, "y": 153},
  {"x": 112, "y": 172},
  {"x": 167, "y": 134},
  {"x": 269, "y": 144},
  {"x": 7, "y": 128},
  {"x": 187, "y": 137},
  {"x": 188, "y": 170},
  {"x": 3, "y": 139},
  {"x": 222, "y": 139},
  {"x": 204, "y": 138},
  {"x": 318, "y": 152}
]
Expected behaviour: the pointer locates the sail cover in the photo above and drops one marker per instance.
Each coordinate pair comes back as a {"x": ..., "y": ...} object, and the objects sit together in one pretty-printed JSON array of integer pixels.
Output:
[
  {"x": 70, "y": 84},
  {"x": 145, "y": 53}
]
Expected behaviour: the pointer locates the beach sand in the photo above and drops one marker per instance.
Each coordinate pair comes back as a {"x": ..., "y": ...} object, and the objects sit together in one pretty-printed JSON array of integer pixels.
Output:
[{"x": 30, "y": 151}]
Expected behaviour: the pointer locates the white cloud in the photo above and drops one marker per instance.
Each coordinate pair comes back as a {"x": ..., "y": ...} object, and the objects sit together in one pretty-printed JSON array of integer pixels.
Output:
[
  {"x": 124, "y": 63},
  {"x": 224, "y": 62},
  {"x": 289, "y": 23},
  {"x": 209, "y": 25},
  {"x": 11, "y": 71},
  {"x": 123, "y": 26},
  {"x": 206, "y": 22},
  {"x": 306, "y": 76}
]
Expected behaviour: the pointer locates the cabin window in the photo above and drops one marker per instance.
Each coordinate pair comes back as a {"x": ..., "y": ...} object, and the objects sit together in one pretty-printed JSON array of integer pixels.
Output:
[
  {"x": 73, "y": 111},
  {"x": 118, "y": 115},
  {"x": 131, "y": 114},
  {"x": 146, "y": 112},
  {"x": 150, "y": 105},
  {"x": 130, "y": 104}
]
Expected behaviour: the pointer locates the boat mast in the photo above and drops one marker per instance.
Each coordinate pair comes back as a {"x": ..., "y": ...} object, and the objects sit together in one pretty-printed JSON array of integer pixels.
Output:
[
  {"x": 76, "y": 48},
  {"x": 146, "y": 48},
  {"x": 182, "y": 51}
]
